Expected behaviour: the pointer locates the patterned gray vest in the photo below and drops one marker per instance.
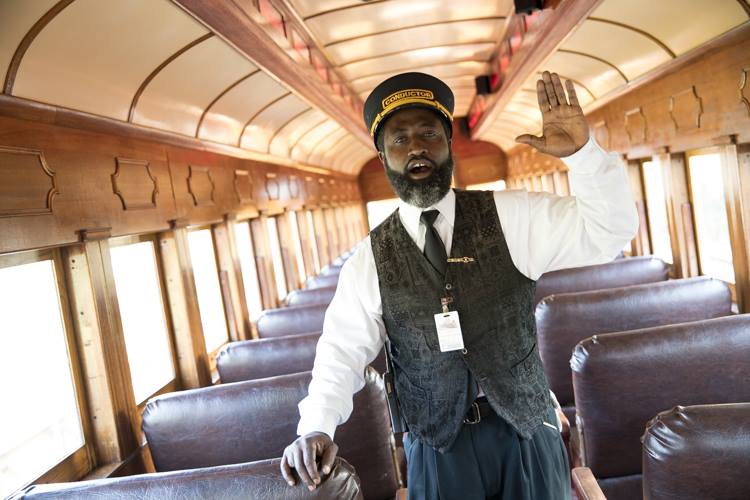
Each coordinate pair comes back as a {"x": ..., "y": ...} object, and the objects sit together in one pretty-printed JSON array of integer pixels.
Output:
[{"x": 494, "y": 301}]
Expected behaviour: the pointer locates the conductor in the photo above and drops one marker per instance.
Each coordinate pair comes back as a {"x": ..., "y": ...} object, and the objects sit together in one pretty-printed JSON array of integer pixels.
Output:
[{"x": 446, "y": 283}]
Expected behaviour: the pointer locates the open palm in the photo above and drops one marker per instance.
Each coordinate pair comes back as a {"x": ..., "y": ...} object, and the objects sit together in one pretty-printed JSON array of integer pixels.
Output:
[{"x": 564, "y": 128}]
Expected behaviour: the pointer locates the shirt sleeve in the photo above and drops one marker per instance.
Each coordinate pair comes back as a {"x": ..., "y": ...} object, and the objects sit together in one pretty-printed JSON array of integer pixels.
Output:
[
  {"x": 353, "y": 334},
  {"x": 545, "y": 232}
]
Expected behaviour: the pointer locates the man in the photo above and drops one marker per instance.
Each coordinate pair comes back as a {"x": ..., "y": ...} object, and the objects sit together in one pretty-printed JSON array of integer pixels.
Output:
[{"x": 448, "y": 280}]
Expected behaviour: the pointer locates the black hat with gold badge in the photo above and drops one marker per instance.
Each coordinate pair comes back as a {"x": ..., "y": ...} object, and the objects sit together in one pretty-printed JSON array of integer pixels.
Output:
[{"x": 408, "y": 90}]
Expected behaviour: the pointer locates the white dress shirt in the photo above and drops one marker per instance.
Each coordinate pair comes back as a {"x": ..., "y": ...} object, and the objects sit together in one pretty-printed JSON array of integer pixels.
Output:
[{"x": 543, "y": 232}]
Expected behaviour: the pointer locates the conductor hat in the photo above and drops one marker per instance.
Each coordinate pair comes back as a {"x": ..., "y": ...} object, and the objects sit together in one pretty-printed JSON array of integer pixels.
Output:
[{"x": 408, "y": 90}]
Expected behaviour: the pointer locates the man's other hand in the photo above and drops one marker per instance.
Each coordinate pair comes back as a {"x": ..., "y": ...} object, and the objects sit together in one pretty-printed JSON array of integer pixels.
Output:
[
  {"x": 564, "y": 128},
  {"x": 302, "y": 455}
]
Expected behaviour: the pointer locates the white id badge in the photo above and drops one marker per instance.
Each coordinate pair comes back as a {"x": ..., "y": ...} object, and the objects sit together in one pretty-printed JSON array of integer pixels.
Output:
[{"x": 449, "y": 331}]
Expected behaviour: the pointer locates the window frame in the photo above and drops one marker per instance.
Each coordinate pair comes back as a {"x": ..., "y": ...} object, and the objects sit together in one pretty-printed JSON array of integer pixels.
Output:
[
  {"x": 80, "y": 462},
  {"x": 670, "y": 222},
  {"x": 174, "y": 384}
]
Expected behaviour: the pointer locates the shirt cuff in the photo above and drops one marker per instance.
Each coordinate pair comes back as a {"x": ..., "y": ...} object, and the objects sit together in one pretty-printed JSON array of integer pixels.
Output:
[
  {"x": 588, "y": 159},
  {"x": 323, "y": 420}
]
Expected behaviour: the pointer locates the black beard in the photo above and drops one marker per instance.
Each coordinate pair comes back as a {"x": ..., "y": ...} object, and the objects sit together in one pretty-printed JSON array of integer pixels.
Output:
[{"x": 426, "y": 192}]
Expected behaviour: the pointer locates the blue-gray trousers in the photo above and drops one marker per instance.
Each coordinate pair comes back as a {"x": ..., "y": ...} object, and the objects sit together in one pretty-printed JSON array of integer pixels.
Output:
[{"x": 489, "y": 460}]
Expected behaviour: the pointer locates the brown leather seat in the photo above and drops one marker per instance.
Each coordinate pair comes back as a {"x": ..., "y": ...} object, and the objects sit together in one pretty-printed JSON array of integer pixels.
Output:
[
  {"x": 256, "y": 420},
  {"x": 698, "y": 452},
  {"x": 254, "y": 359},
  {"x": 618, "y": 273},
  {"x": 623, "y": 379},
  {"x": 256, "y": 480},
  {"x": 563, "y": 320},
  {"x": 323, "y": 295},
  {"x": 322, "y": 280},
  {"x": 291, "y": 320}
]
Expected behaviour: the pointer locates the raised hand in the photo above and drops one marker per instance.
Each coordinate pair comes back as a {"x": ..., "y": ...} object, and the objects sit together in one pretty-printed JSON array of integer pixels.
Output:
[
  {"x": 302, "y": 455},
  {"x": 564, "y": 128}
]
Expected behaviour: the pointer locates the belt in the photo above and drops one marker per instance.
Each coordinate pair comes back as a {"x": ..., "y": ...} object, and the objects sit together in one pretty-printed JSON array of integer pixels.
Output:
[{"x": 478, "y": 409}]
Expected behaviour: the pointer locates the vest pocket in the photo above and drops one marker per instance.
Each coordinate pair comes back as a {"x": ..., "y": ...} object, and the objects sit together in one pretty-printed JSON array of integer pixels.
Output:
[{"x": 524, "y": 367}]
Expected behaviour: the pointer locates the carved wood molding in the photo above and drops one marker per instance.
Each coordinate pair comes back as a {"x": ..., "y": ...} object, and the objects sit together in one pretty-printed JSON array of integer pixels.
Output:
[
  {"x": 94, "y": 234},
  {"x": 243, "y": 186},
  {"x": 28, "y": 185},
  {"x": 273, "y": 190},
  {"x": 294, "y": 186},
  {"x": 130, "y": 184},
  {"x": 744, "y": 89},
  {"x": 201, "y": 186},
  {"x": 636, "y": 126},
  {"x": 686, "y": 109}
]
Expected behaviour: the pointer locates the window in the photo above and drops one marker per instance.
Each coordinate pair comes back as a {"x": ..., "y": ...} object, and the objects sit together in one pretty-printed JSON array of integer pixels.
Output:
[
  {"x": 297, "y": 242},
  {"x": 547, "y": 183},
  {"x": 207, "y": 286},
  {"x": 246, "y": 255},
  {"x": 143, "y": 320},
  {"x": 313, "y": 240},
  {"x": 378, "y": 211},
  {"x": 656, "y": 207},
  {"x": 41, "y": 423},
  {"x": 278, "y": 265},
  {"x": 709, "y": 211},
  {"x": 488, "y": 186}
]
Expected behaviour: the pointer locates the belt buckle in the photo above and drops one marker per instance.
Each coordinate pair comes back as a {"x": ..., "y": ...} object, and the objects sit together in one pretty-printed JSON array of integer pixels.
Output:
[{"x": 476, "y": 415}]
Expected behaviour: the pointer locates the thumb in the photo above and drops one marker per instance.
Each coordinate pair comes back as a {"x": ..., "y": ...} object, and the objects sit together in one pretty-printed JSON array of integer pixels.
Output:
[
  {"x": 532, "y": 140},
  {"x": 329, "y": 455}
]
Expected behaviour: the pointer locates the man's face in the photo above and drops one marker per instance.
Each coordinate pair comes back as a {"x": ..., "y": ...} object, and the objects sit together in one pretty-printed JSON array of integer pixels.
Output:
[{"x": 417, "y": 156}]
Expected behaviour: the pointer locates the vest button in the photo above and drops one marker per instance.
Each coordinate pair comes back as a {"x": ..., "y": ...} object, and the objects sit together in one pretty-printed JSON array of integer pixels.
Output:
[
  {"x": 448, "y": 286},
  {"x": 464, "y": 352}
]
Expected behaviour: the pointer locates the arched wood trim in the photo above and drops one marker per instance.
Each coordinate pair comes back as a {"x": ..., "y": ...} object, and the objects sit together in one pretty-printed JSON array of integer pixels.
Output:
[
  {"x": 338, "y": 9},
  {"x": 302, "y": 136},
  {"x": 321, "y": 141},
  {"x": 158, "y": 69},
  {"x": 637, "y": 30},
  {"x": 28, "y": 39},
  {"x": 216, "y": 99},
  {"x": 290, "y": 120},
  {"x": 417, "y": 68},
  {"x": 572, "y": 80},
  {"x": 340, "y": 158},
  {"x": 603, "y": 61},
  {"x": 404, "y": 28},
  {"x": 255, "y": 115},
  {"x": 404, "y": 51},
  {"x": 745, "y": 6}
]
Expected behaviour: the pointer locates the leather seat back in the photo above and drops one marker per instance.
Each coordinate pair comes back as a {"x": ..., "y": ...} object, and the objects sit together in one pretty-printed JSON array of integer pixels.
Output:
[
  {"x": 618, "y": 273},
  {"x": 331, "y": 269},
  {"x": 304, "y": 297},
  {"x": 291, "y": 320},
  {"x": 565, "y": 319},
  {"x": 229, "y": 482},
  {"x": 322, "y": 280},
  {"x": 698, "y": 452},
  {"x": 623, "y": 379},
  {"x": 256, "y": 420}
]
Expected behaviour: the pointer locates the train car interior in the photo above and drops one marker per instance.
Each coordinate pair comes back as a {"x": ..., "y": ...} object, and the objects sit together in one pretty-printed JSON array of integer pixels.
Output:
[{"x": 183, "y": 181}]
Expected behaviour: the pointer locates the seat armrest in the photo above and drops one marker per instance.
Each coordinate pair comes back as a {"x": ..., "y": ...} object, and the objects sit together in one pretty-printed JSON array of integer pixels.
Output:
[{"x": 585, "y": 485}]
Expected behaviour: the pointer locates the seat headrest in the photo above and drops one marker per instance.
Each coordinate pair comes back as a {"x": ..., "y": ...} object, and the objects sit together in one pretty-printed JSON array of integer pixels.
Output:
[
  {"x": 228, "y": 482},
  {"x": 618, "y": 273},
  {"x": 698, "y": 452},
  {"x": 286, "y": 321},
  {"x": 321, "y": 281},
  {"x": 256, "y": 420},
  {"x": 303, "y": 297},
  {"x": 623, "y": 379},
  {"x": 565, "y": 319}
]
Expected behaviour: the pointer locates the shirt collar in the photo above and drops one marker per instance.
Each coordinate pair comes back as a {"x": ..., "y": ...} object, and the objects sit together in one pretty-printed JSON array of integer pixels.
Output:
[{"x": 410, "y": 214}]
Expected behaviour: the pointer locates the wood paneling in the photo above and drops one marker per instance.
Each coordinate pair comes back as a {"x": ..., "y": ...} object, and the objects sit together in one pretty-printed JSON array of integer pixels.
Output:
[
  {"x": 134, "y": 184},
  {"x": 678, "y": 202},
  {"x": 734, "y": 176},
  {"x": 27, "y": 184}
]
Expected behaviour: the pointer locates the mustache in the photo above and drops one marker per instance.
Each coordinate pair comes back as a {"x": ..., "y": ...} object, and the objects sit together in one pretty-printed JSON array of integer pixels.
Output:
[{"x": 426, "y": 192}]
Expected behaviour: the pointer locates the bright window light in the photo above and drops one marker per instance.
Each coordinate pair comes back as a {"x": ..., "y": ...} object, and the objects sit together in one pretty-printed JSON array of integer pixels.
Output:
[
  {"x": 313, "y": 240},
  {"x": 143, "y": 320},
  {"x": 656, "y": 206},
  {"x": 246, "y": 255},
  {"x": 278, "y": 265},
  {"x": 40, "y": 425},
  {"x": 711, "y": 226},
  {"x": 207, "y": 286},
  {"x": 378, "y": 211},
  {"x": 297, "y": 246},
  {"x": 488, "y": 186}
]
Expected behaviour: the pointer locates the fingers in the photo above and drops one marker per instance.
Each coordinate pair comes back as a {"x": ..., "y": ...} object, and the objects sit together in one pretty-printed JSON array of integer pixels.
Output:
[
  {"x": 541, "y": 95},
  {"x": 559, "y": 91},
  {"x": 299, "y": 465},
  {"x": 329, "y": 455},
  {"x": 286, "y": 469},
  {"x": 309, "y": 455},
  {"x": 550, "y": 89},
  {"x": 531, "y": 140},
  {"x": 572, "y": 97}
]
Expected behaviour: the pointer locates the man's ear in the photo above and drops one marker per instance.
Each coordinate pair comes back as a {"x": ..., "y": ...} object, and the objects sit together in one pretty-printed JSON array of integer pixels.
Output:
[{"x": 381, "y": 156}]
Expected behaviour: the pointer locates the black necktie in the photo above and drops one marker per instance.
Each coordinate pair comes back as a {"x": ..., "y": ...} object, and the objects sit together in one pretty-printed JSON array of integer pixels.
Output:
[{"x": 434, "y": 249}]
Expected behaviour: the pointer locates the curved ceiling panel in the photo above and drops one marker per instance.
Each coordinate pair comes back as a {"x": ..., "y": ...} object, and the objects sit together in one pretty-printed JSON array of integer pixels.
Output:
[
  {"x": 450, "y": 33},
  {"x": 18, "y": 17},
  {"x": 634, "y": 54},
  {"x": 261, "y": 129},
  {"x": 596, "y": 76},
  {"x": 361, "y": 158},
  {"x": 681, "y": 24},
  {"x": 370, "y": 18},
  {"x": 320, "y": 150},
  {"x": 100, "y": 51},
  {"x": 463, "y": 68},
  {"x": 338, "y": 156},
  {"x": 226, "y": 119},
  {"x": 287, "y": 136},
  {"x": 403, "y": 61},
  {"x": 310, "y": 139},
  {"x": 168, "y": 103}
]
